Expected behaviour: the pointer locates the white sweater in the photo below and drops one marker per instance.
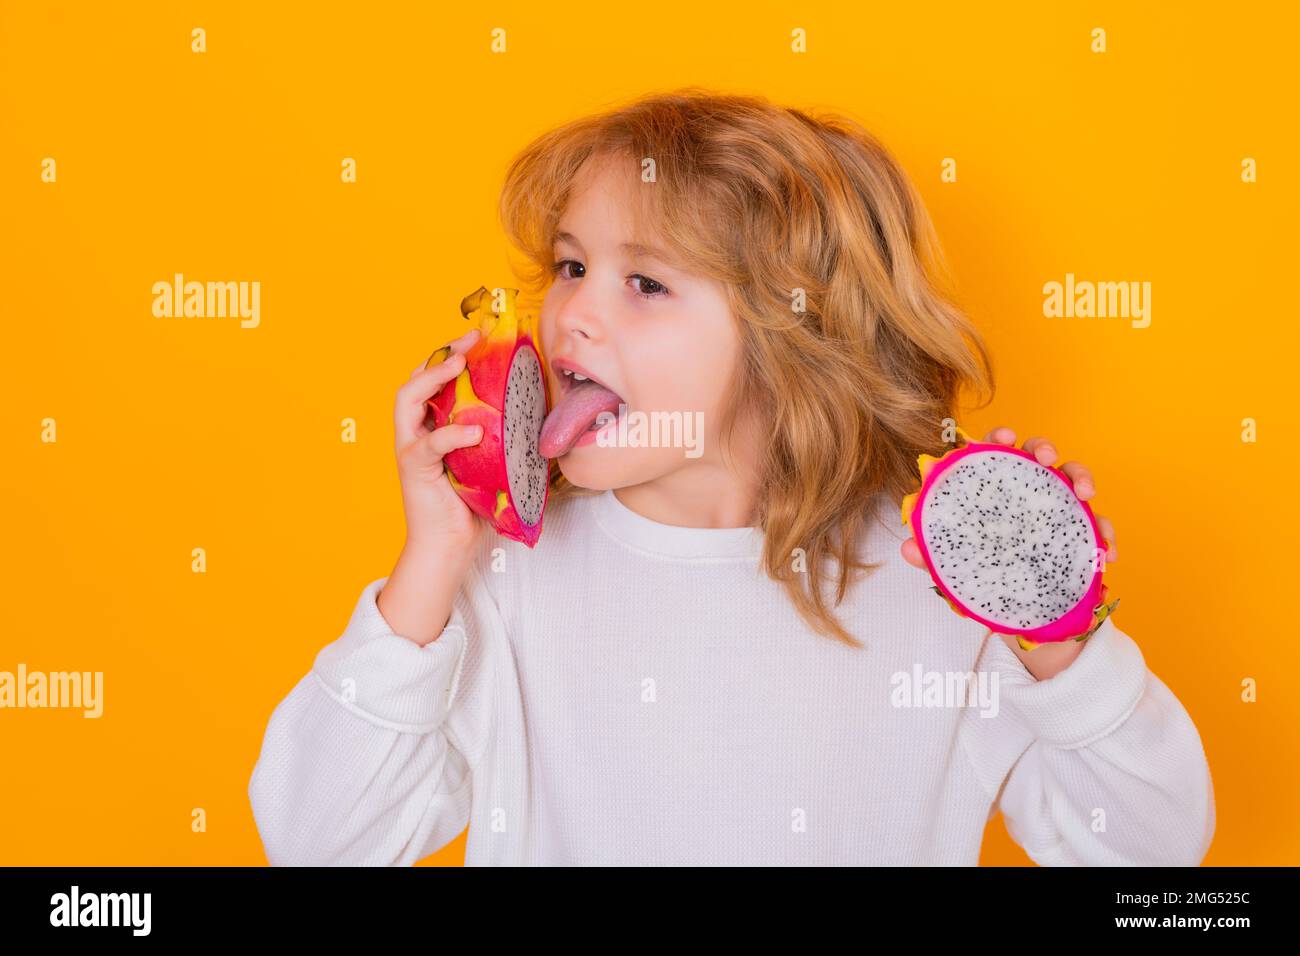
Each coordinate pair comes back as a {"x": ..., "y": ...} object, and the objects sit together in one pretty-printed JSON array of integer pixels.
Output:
[{"x": 637, "y": 693}]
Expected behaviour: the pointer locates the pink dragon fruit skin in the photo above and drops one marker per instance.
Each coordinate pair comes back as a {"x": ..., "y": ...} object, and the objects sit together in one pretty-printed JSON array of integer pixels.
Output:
[{"x": 1080, "y": 620}]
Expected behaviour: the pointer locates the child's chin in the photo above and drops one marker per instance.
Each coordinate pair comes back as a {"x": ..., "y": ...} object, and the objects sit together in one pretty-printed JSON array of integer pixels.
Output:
[{"x": 597, "y": 469}]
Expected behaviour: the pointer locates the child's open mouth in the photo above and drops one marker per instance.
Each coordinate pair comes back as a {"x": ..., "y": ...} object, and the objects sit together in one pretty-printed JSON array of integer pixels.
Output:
[{"x": 578, "y": 410}]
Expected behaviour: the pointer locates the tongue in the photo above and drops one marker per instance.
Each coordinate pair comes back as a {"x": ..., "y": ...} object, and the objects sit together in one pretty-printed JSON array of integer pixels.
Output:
[{"x": 574, "y": 414}]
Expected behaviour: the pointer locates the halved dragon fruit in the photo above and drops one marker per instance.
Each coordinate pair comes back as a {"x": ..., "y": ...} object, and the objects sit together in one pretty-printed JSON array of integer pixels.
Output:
[
  {"x": 1009, "y": 544},
  {"x": 503, "y": 388}
]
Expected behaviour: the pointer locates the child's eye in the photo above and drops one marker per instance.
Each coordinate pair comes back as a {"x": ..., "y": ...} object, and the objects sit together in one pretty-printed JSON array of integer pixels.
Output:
[
  {"x": 657, "y": 289},
  {"x": 558, "y": 268},
  {"x": 652, "y": 288}
]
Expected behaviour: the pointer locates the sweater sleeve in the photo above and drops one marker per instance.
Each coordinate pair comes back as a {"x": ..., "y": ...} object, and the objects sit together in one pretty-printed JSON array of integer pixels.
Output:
[
  {"x": 357, "y": 766},
  {"x": 1099, "y": 765}
]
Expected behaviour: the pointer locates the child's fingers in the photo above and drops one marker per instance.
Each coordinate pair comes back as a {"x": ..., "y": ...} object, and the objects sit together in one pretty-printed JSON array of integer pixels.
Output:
[
  {"x": 458, "y": 346},
  {"x": 912, "y": 553},
  {"x": 450, "y": 437},
  {"x": 1084, "y": 486},
  {"x": 1042, "y": 449},
  {"x": 413, "y": 398},
  {"x": 1002, "y": 435},
  {"x": 1108, "y": 533},
  {"x": 425, "y": 455},
  {"x": 465, "y": 342}
]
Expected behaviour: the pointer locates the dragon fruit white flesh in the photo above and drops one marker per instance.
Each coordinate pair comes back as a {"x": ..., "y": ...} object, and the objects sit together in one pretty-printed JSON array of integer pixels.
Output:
[{"x": 1009, "y": 544}]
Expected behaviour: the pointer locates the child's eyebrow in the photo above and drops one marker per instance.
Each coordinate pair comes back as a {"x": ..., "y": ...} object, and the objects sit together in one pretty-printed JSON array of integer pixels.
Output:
[
  {"x": 634, "y": 248},
  {"x": 646, "y": 252}
]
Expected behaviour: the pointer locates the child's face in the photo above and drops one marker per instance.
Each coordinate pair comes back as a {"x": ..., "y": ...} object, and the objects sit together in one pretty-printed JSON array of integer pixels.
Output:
[{"x": 658, "y": 337}]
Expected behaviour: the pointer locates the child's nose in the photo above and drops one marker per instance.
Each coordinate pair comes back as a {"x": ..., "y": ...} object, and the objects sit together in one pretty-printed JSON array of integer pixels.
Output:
[{"x": 579, "y": 317}]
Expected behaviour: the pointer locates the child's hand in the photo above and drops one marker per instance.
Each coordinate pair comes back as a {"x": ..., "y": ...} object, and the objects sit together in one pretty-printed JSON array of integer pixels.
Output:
[
  {"x": 1045, "y": 453},
  {"x": 435, "y": 515}
]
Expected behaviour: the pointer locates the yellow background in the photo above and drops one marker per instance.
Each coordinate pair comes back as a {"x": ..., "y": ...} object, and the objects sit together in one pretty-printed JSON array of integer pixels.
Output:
[{"x": 182, "y": 433}]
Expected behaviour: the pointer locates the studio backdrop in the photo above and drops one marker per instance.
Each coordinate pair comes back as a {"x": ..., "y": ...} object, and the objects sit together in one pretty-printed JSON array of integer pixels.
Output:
[{"x": 194, "y": 495}]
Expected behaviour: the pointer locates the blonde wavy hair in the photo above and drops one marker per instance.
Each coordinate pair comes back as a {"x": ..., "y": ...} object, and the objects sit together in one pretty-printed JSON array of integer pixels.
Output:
[{"x": 769, "y": 200}]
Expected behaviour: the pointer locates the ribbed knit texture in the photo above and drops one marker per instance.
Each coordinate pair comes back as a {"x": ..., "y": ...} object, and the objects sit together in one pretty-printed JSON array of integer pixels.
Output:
[{"x": 635, "y": 693}]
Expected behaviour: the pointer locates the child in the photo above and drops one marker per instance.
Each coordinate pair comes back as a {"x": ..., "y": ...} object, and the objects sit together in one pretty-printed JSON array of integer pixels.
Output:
[{"x": 691, "y": 666}]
